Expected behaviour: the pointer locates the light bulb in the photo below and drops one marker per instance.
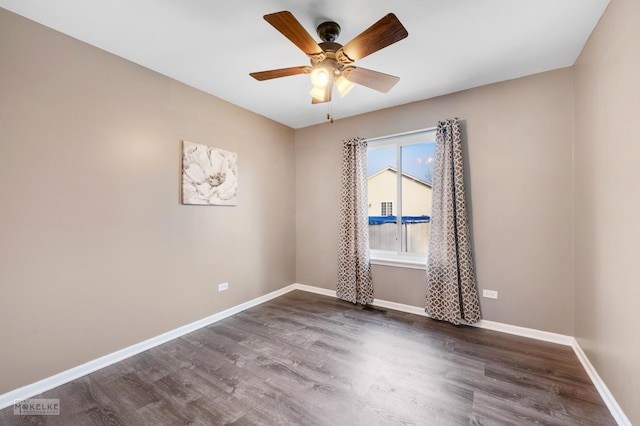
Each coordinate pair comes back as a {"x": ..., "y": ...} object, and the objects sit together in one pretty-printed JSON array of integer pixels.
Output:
[
  {"x": 322, "y": 78},
  {"x": 319, "y": 77}
]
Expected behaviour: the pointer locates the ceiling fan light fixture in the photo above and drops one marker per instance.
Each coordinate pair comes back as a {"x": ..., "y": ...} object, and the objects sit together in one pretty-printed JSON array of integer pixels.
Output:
[
  {"x": 317, "y": 93},
  {"x": 344, "y": 86}
]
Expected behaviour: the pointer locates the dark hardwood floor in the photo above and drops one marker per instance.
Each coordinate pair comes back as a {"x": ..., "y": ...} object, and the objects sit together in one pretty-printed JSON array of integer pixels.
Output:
[{"x": 305, "y": 359}]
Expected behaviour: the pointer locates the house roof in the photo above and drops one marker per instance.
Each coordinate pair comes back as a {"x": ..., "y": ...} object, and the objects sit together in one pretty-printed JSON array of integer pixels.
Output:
[{"x": 405, "y": 175}]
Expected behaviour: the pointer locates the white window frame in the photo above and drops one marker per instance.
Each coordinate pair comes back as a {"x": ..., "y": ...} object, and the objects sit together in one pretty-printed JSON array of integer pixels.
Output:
[{"x": 397, "y": 258}]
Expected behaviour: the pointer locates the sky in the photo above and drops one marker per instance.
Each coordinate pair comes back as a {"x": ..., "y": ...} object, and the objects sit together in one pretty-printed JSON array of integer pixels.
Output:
[{"x": 417, "y": 160}]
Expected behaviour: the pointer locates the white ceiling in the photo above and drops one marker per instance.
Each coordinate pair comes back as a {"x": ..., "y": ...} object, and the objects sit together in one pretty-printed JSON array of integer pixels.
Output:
[{"x": 213, "y": 45}]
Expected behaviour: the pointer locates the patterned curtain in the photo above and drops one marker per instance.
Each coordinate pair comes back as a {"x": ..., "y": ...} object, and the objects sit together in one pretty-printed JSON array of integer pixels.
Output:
[
  {"x": 354, "y": 270},
  {"x": 452, "y": 294}
]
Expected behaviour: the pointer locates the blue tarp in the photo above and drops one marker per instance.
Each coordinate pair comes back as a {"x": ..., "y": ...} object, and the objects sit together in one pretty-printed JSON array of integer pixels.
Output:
[{"x": 379, "y": 220}]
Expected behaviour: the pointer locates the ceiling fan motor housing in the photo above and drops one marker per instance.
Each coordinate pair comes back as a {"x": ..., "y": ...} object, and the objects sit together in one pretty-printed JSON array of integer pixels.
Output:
[{"x": 328, "y": 31}]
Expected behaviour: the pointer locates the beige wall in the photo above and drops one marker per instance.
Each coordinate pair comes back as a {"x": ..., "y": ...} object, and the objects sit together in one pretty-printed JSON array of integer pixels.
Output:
[
  {"x": 607, "y": 201},
  {"x": 519, "y": 145},
  {"x": 96, "y": 252}
]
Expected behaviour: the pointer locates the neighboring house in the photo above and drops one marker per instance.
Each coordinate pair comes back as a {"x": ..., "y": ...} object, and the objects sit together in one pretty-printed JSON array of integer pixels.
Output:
[{"x": 416, "y": 194}]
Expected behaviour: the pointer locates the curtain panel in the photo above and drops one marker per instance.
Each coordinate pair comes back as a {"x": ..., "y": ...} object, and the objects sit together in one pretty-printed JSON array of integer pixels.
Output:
[
  {"x": 452, "y": 293},
  {"x": 354, "y": 269}
]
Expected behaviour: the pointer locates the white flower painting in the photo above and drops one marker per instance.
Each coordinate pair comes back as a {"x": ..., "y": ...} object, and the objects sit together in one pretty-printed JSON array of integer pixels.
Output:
[{"x": 209, "y": 175}]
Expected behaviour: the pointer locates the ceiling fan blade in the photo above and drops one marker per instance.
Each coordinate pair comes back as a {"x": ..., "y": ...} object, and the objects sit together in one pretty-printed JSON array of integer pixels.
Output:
[
  {"x": 289, "y": 26},
  {"x": 282, "y": 72},
  {"x": 327, "y": 94},
  {"x": 372, "y": 79},
  {"x": 386, "y": 31}
]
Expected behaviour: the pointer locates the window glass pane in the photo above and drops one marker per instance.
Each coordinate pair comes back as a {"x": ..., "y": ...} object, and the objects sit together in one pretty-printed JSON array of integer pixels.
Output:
[
  {"x": 400, "y": 169},
  {"x": 383, "y": 196},
  {"x": 417, "y": 176}
]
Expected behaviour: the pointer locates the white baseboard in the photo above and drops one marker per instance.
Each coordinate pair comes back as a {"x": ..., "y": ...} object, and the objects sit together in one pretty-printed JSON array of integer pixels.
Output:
[
  {"x": 400, "y": 307},
  {"x": 49, "y": 383},
  {"x": 531, "y": 333},
  {"x": 489, "y": 325},
  {"x": 316, "y": 290},
  {"x": 54, "y": 381},
  {"x": 601, "y": 387}
]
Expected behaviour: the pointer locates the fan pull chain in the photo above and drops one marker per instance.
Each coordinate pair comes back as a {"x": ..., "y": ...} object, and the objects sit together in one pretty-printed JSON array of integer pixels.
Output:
[{"x": 329, "y": 116}]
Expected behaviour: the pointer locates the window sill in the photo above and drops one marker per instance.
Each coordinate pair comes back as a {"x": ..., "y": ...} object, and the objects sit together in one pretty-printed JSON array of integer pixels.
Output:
[{"x": 393, "y": 260}]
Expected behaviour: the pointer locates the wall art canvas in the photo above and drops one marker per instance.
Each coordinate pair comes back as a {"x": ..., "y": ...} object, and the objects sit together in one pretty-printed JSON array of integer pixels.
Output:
[{"x": 209, "y": 175}]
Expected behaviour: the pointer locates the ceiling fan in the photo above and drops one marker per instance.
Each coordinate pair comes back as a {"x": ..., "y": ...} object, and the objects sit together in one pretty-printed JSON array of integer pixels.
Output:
[{"x": 332, "y": 62}]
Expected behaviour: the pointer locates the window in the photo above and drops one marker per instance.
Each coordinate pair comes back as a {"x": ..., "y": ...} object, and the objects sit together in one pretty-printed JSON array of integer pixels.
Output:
[
  {"x": 400, "y": 174},
  {"x": 386, "y": 208}
]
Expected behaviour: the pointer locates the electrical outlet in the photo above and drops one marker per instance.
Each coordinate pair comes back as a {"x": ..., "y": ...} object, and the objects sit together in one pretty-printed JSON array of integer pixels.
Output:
[
  {"x": 490, "y": 294},
  {"x": 223, "y": 286}
]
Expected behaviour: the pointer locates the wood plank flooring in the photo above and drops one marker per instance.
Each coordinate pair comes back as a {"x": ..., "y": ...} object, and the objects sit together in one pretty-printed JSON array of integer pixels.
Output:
[{"x": 305, "y": 359}]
